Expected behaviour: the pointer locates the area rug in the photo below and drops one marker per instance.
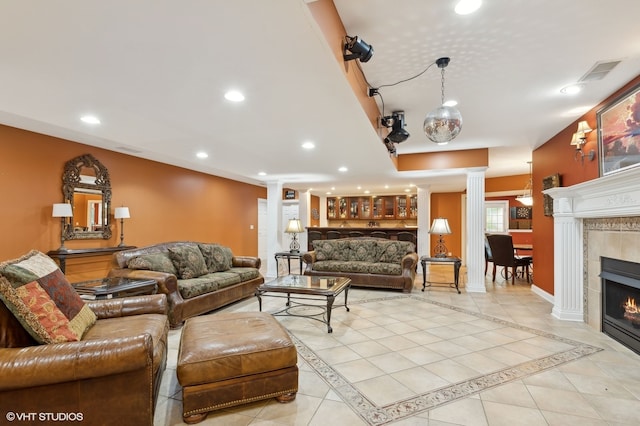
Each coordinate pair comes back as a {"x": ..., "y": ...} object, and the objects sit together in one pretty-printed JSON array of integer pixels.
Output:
[{"x": 374, "y": 414}]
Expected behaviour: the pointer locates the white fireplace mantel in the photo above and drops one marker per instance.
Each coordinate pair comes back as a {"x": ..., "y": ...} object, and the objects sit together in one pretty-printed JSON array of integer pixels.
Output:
[{"x": 615, "y": 195}]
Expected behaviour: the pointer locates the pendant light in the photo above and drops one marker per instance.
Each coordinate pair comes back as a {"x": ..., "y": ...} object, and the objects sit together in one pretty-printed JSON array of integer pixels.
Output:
[
  {"x": 444, "y": 123},
  {"x": 527, "y": 196}
]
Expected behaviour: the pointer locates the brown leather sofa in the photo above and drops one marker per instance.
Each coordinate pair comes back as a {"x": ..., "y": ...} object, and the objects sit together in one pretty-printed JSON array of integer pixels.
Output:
[
  {"x": 182, "y": 302},
  {"x": 111, "y": 376},
  {"x": 369, "y": 262}
]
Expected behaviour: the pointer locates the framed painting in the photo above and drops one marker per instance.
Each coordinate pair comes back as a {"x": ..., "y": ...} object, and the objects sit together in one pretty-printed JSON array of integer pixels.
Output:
[{"x": 619, "y": 133}]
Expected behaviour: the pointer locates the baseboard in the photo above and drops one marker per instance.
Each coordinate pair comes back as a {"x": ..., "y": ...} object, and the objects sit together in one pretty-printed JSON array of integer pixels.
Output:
[{"x": 540, "y": 292}]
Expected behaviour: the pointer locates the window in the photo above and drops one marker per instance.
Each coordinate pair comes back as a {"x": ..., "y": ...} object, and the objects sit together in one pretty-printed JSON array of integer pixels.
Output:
[{"x": 496, "y": 216}]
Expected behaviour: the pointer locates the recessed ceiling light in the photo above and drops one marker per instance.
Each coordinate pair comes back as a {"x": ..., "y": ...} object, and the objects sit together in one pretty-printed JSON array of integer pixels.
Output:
[
  {"x": 262, "y": 173},
  {"x": 465, "y": 7},
  {"x": 386, "y": 187},
  {"x": 234, "y": 96},
  {"x": 308, "y": 145},
  {"x": 358, "y": 187},
  {"x": 407, "y": 190},
  {"x": 90, "y": 119},
  {"x": 451, "y": 103},
  {"x": 367, "y": 192},
  {"x": 328, "y": 192},
  {"x": 343, "y": 169},
  {"x": 572, "y": 89},
  {"x": 333, "y": 188},
  {"x": 202, "y": 154}
]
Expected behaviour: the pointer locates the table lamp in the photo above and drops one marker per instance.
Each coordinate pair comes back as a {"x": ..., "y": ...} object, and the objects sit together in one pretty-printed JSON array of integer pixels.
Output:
[
  {"x": 294, "y": 227},
  {"x": 121, "y": 213},
  {"x": 440, "y": 226},
  {"x": 63, "y": 211}
]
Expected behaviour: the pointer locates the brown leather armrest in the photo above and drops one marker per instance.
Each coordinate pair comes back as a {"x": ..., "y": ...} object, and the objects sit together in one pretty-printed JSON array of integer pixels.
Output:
[
  {"x": 127, "y": 306},
  {"x": 246, "y": 261},
  {"x": 309, "y": 257},
  {"x": 409, "y": 261},
  {"x": 167, "y": 283},
  {"x": 67, "y": 362}
]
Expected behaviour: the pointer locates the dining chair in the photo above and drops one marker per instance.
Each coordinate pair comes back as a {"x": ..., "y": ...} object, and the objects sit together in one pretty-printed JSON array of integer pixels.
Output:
[
  {"x": 503, "y": 255},
  {"x": 355, "y": 234},
  {"x": 406, "y": 236},
  {"x": 488, "y": 257},
  {"x": 311, "y": 237}
]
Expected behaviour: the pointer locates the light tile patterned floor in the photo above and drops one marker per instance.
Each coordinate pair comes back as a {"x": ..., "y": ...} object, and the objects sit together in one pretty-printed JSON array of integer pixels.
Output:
[{"x": 439, "y": 358}]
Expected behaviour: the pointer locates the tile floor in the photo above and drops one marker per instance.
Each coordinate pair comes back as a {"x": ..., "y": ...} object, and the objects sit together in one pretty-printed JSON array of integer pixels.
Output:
[{"x": 439, "y": 358}]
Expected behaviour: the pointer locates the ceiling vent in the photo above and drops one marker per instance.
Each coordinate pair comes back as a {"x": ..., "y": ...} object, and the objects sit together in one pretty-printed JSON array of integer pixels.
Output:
[{"x": 599, "y": 71}]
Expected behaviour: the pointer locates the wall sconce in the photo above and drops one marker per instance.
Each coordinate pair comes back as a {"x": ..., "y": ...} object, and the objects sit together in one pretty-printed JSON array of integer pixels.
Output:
[
  {"x": 121, "y": 213},
  {"x": 358, "y": 48},
  {"x": 579, "y": 139},
  {"x": 63, "y": 211},
  {"x": 440, "y": 226},
  {"x": 294, "y": 227}
]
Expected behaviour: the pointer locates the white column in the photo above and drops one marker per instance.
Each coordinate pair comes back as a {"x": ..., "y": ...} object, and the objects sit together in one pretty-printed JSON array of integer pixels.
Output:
[
  {"x": 567, "y": 263},
  {"x": 274, "y": 225},
  {"x": 304, "y": 209},
  {"x": 475, "y": 231},
  {"x": 424, "y": 220}
]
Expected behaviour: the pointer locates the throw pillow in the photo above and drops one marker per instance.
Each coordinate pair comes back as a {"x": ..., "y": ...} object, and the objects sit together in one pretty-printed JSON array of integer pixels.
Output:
[
  {"x": 218, "y": 258},
  {"x": 40, "y": 297},
  {"x": 160, "y": 262},
  {"x": 188, "y": 261}
]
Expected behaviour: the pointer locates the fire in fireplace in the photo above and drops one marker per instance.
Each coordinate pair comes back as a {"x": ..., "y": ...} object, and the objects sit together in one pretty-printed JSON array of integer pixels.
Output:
[{"x": 620, "y": 299}]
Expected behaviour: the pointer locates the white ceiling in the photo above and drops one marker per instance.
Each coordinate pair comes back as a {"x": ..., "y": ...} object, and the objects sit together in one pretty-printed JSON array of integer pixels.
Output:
[{"x": 155, "y": 72}]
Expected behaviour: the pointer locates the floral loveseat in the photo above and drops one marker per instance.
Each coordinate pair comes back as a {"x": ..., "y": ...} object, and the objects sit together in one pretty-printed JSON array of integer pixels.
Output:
[
  {"x": 196, "y": 277},
  {"x": 369, "y": 262}
]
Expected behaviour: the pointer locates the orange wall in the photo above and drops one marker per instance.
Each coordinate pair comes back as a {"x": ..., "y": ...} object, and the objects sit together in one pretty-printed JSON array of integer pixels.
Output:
[
  {"x": 506, "y": 183},
  {"x": 448, "y": 205},
  {"x": 557, "y": 156},
  {"x": 166, "y": 202}
]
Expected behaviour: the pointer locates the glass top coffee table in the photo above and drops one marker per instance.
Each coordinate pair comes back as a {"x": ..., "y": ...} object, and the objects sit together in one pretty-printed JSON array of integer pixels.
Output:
[
  {"x": 108, "y": 288},
  {"x": 305, "y": 287}
]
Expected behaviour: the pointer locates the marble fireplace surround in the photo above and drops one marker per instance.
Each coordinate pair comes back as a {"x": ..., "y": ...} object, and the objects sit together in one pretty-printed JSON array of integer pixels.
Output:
[{"x": 596, "y": 218}]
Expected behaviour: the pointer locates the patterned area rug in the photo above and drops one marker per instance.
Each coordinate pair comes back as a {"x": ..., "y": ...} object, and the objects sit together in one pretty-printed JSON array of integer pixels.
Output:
[{"x": 375, "y": 414}]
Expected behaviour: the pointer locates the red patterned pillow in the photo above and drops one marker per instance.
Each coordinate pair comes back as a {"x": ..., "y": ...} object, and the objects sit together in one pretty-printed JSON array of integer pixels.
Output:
[{"x": 39, "y": 295}]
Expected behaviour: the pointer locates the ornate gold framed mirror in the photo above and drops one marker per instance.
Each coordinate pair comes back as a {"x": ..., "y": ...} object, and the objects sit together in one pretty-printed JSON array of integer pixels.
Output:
[{"x": 86, "y": 186}]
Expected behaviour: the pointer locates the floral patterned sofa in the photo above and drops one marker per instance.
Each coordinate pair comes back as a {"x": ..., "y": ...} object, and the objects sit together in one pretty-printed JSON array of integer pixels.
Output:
[
  {"x": 196, "y": 277},
  {"x": 369, "y": 262}
]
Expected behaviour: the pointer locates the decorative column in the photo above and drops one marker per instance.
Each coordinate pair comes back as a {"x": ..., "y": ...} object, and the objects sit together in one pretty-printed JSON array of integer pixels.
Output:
[
  {"x": 274, "y": 226},
  {"x": 568, "y": 262},
  {"x": 475, "y": 231},
  {"x": 424, "y": 221},
  {"x": 304, "y": 210}
]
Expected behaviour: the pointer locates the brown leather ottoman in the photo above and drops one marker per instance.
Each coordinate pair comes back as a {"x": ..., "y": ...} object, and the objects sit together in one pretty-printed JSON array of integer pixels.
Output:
[{"x": 228, "y": 359}]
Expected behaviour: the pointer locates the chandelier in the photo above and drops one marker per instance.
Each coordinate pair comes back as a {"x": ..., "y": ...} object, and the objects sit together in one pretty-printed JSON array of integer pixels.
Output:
[{"x": 445, "y": 122}]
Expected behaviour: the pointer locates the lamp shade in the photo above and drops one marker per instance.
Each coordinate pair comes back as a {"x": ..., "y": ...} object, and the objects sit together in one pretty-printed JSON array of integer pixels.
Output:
[
  {"x": 62, "y": 210},
  {"x": 121, "y": 213},
  {"x": 294, "y": 227},
  {"x": 440, "y": 226},
  {"x": 583, "y": 127},
  {"x": 576, "y": 139}
]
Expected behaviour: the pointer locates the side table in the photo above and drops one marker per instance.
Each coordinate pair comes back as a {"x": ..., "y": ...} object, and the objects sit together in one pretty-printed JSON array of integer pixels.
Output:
[
  {"x": 455, "y": 261},
  {"x": 289, "y": 255}
]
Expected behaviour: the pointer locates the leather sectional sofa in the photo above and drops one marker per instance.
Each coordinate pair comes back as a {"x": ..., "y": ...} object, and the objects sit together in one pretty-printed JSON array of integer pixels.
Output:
[
  {"x": 196, "y": 277},
  {"x": 369, "y": 262}
]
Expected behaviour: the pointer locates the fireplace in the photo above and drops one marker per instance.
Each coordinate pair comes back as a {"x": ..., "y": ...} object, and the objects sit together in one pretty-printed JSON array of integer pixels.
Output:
[{"x": 621, "y": 301}]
